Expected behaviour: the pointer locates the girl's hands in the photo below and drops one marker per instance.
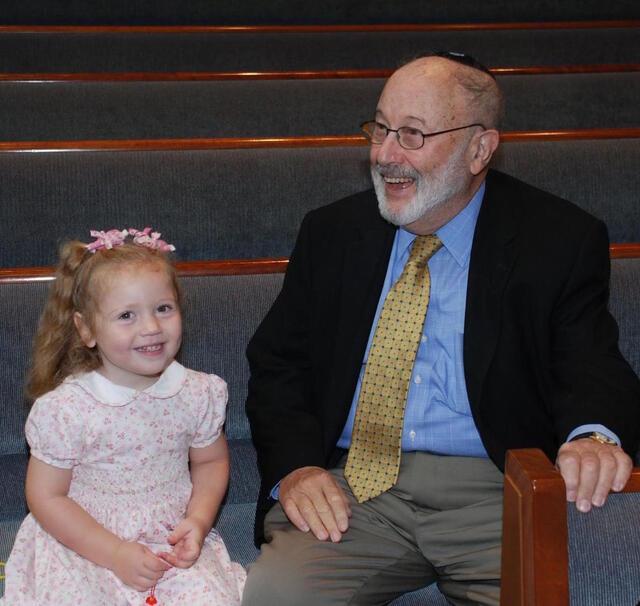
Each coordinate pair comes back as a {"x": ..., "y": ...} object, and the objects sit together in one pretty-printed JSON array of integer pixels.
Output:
[
  {"x": 137, "y": 566},
  {"x": 187, "y": 540}
]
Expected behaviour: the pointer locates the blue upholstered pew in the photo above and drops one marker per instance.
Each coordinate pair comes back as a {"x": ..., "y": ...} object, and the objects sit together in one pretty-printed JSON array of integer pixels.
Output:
[
  {"x": 146, "y": 106},
  {"x": 28, "y": 49},
  {"x": 147, "y": 12},
  {"x": 248, "y": 203},
  {"x": 224, "y": 301}
]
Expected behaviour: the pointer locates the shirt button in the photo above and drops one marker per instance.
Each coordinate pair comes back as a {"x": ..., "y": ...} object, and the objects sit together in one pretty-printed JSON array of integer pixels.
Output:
[
  {"x": 423, "y": 339},
  {"x": 412, "y": 435},
  {"x": 418, "y": 380}
]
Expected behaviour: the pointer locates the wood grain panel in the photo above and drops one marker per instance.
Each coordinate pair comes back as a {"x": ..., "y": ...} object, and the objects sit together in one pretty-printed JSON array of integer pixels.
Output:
[
  {"x": 390, "y": 27},
  {"x": 351, "y": 74},
  {"x": 282, "y": 142},
  {"x": 238, "y": 267}
]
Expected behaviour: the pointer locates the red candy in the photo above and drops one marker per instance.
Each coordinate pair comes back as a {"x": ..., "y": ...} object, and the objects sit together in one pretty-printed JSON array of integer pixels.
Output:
[{"x": 151, "y": 600}]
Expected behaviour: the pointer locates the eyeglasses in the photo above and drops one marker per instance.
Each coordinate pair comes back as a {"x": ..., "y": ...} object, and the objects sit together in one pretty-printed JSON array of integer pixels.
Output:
[{"x": 408, "y": 137}]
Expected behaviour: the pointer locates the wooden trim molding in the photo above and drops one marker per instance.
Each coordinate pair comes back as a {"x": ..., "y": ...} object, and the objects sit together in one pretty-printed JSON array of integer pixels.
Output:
[
  {"x": 237, "y": 267},
  {"x": 625, "y": 250},
  {"x": 186, "y": 269},
  {"x": 351, "y": 74},
  {"x": 385, "y": 27},
  {"x": 534, "y": 520},
  {"x": 535, "y": 559},
  {"x": 182, "y": 144},
  {"x": 283, "y": 142}
]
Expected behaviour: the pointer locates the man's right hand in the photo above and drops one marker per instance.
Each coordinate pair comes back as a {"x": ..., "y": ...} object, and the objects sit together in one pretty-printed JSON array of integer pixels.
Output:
[{"x": 313, "y": 500}]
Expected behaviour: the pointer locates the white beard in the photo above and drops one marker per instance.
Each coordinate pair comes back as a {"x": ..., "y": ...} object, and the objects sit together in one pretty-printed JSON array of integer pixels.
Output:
[{"x": 431, "y": 191}]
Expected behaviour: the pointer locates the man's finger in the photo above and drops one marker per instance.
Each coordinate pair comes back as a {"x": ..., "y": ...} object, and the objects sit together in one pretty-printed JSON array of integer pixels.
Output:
[
  {"x": 624, "y": 467},
  {"x": 340, "y": 508},
  {"x": 328, "y": 519},
  {"x": 589, "y": 473},
  {"x": 313, "y": 518},
  {"x": 608, "y": 465},
  {"x": 294, "y": 515},
  {"x": 569, "y": 465}
]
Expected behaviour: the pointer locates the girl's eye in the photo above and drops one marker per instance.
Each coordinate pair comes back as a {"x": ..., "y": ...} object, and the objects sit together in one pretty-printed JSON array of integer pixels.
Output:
[
  {"x": 165, "y": 308},
  {"x": 127, "y": 315}
]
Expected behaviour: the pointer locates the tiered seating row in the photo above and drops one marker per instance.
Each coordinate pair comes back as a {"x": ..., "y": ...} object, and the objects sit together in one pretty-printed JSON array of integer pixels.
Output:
[
  {"x": 104, "y": 109},
  {"x": 247, "y": 203},
  {"x": 269, "y": 49},
  {"x": 329, "y": 11}
]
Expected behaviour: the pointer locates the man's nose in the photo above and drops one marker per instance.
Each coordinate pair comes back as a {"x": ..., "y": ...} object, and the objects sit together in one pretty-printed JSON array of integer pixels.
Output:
[{"x": 390, "y": 151}]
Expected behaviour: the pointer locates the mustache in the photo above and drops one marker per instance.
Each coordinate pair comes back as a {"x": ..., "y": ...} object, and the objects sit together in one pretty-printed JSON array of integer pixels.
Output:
[{"x": 396, "y": 171}]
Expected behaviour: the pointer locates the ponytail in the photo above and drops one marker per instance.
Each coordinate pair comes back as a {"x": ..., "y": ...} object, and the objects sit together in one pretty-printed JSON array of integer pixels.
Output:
[{"x": 58, "y": 350}]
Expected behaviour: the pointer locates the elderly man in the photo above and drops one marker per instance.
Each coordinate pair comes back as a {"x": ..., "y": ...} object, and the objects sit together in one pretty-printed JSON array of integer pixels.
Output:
[{"x": 420, "y": 333}]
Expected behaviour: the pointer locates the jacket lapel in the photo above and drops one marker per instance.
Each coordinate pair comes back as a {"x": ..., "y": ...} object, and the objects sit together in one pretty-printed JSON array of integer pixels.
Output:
[
  {"x": 363, "y": 272},
  {"x": 492, "y": 257}
]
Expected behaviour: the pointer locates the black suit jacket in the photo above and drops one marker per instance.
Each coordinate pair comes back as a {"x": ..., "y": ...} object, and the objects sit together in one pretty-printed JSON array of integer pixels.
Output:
[{"x": 540, "y": 348}]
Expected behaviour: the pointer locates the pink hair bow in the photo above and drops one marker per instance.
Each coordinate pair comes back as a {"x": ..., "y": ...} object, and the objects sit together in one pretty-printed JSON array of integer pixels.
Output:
[
  {"x": 106, "y": 239},
  {"x": 150, "y": 239},
  {"x": 116, "y": 237}
]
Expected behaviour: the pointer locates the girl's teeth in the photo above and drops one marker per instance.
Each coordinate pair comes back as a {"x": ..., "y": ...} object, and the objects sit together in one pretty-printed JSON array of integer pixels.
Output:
[{"x": 150, "y": 348}]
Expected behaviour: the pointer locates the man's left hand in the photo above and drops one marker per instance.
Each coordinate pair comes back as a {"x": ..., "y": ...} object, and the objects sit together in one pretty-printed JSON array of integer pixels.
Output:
[{"x": 591, "y": 469}]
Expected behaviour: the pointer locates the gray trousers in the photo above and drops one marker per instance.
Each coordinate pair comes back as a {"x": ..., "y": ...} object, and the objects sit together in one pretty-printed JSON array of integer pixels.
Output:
[{"x": 441, "y": 522}]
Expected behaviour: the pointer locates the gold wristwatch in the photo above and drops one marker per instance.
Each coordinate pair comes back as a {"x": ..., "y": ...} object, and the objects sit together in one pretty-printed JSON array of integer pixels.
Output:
[{"x": 597, "y": 436}]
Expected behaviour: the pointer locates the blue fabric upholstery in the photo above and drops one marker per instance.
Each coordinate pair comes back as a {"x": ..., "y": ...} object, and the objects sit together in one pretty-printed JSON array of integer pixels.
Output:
[
  {"x": 152, "y": 110},
  {"x": 150, "y": 12},
  {"x": 249, "y": 203},
  {"x": 274, "y": 51},
  {"x": 596, "y": 579}
]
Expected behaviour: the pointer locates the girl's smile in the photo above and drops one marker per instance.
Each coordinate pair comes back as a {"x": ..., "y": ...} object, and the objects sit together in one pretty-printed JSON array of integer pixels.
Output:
[{"x": 137, "y": 328}]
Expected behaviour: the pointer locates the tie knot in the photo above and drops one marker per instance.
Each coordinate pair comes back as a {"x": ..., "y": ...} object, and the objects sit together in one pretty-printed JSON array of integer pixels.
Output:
[{"x": 424, "y": 247}]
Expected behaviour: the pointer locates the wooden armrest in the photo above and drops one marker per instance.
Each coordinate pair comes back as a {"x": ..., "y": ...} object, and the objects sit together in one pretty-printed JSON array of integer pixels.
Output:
[
  {"x": 535, "y": 561},
  {"x": 535, "y": 558}
]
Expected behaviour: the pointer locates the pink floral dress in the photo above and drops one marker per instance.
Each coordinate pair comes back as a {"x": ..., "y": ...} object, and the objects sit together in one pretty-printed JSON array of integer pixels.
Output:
[{"x": 129, "y": 454}]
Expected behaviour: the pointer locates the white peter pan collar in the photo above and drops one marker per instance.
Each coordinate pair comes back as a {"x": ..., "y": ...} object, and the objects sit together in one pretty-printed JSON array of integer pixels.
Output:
[{"x": 107, "y": 392}]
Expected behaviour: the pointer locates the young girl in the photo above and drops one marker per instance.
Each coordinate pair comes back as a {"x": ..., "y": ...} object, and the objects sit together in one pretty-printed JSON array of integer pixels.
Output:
[{"x": 128, "y": 462}]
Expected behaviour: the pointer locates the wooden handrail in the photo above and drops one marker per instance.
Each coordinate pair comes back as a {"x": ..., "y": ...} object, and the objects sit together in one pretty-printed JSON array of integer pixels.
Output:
[
  {"x": 237, "y": 267},
  {"x": 283, "y": 142},
  {"x": 384, "y": 27},
  {"x": 223, "y": 267},
  {"x": 535, "y": 559},
  {"x": 351, "y": 74}
]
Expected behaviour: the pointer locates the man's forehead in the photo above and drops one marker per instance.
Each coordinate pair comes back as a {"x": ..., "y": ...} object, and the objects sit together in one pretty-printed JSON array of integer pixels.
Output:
[
  {"x": 436, "y": 69},
  {"x": 422, "y": 89}
]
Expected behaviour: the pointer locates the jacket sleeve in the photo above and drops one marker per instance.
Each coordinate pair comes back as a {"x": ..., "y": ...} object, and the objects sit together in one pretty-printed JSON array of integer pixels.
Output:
[
  {"x": 593, "y": 382},
  {"x": 280, "y": 403}
]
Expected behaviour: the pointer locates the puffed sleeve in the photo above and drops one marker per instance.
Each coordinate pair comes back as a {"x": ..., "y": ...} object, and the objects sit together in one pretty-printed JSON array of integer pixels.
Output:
[
  {"x": 54, "y": 430},
  {"x": 211, "y": 415}
]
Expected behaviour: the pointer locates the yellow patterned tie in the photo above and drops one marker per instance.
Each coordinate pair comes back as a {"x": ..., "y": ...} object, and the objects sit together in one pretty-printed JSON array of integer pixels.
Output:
[{"x": 374, "y": 455}]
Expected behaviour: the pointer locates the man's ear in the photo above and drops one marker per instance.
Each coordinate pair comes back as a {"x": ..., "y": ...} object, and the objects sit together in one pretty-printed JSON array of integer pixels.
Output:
[
  {"x": 83, "y": 330},
  {"x": 482, "y": 147}
]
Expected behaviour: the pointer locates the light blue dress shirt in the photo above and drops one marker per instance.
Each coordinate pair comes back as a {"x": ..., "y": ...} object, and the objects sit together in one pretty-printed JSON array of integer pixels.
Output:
[{"x": 438, "y": 416}]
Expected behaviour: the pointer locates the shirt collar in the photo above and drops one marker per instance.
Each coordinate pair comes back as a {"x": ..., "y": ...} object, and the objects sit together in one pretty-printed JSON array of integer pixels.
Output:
[
  {"x": 107, "y": 392},
  {"x": 457, "y": 234}
]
